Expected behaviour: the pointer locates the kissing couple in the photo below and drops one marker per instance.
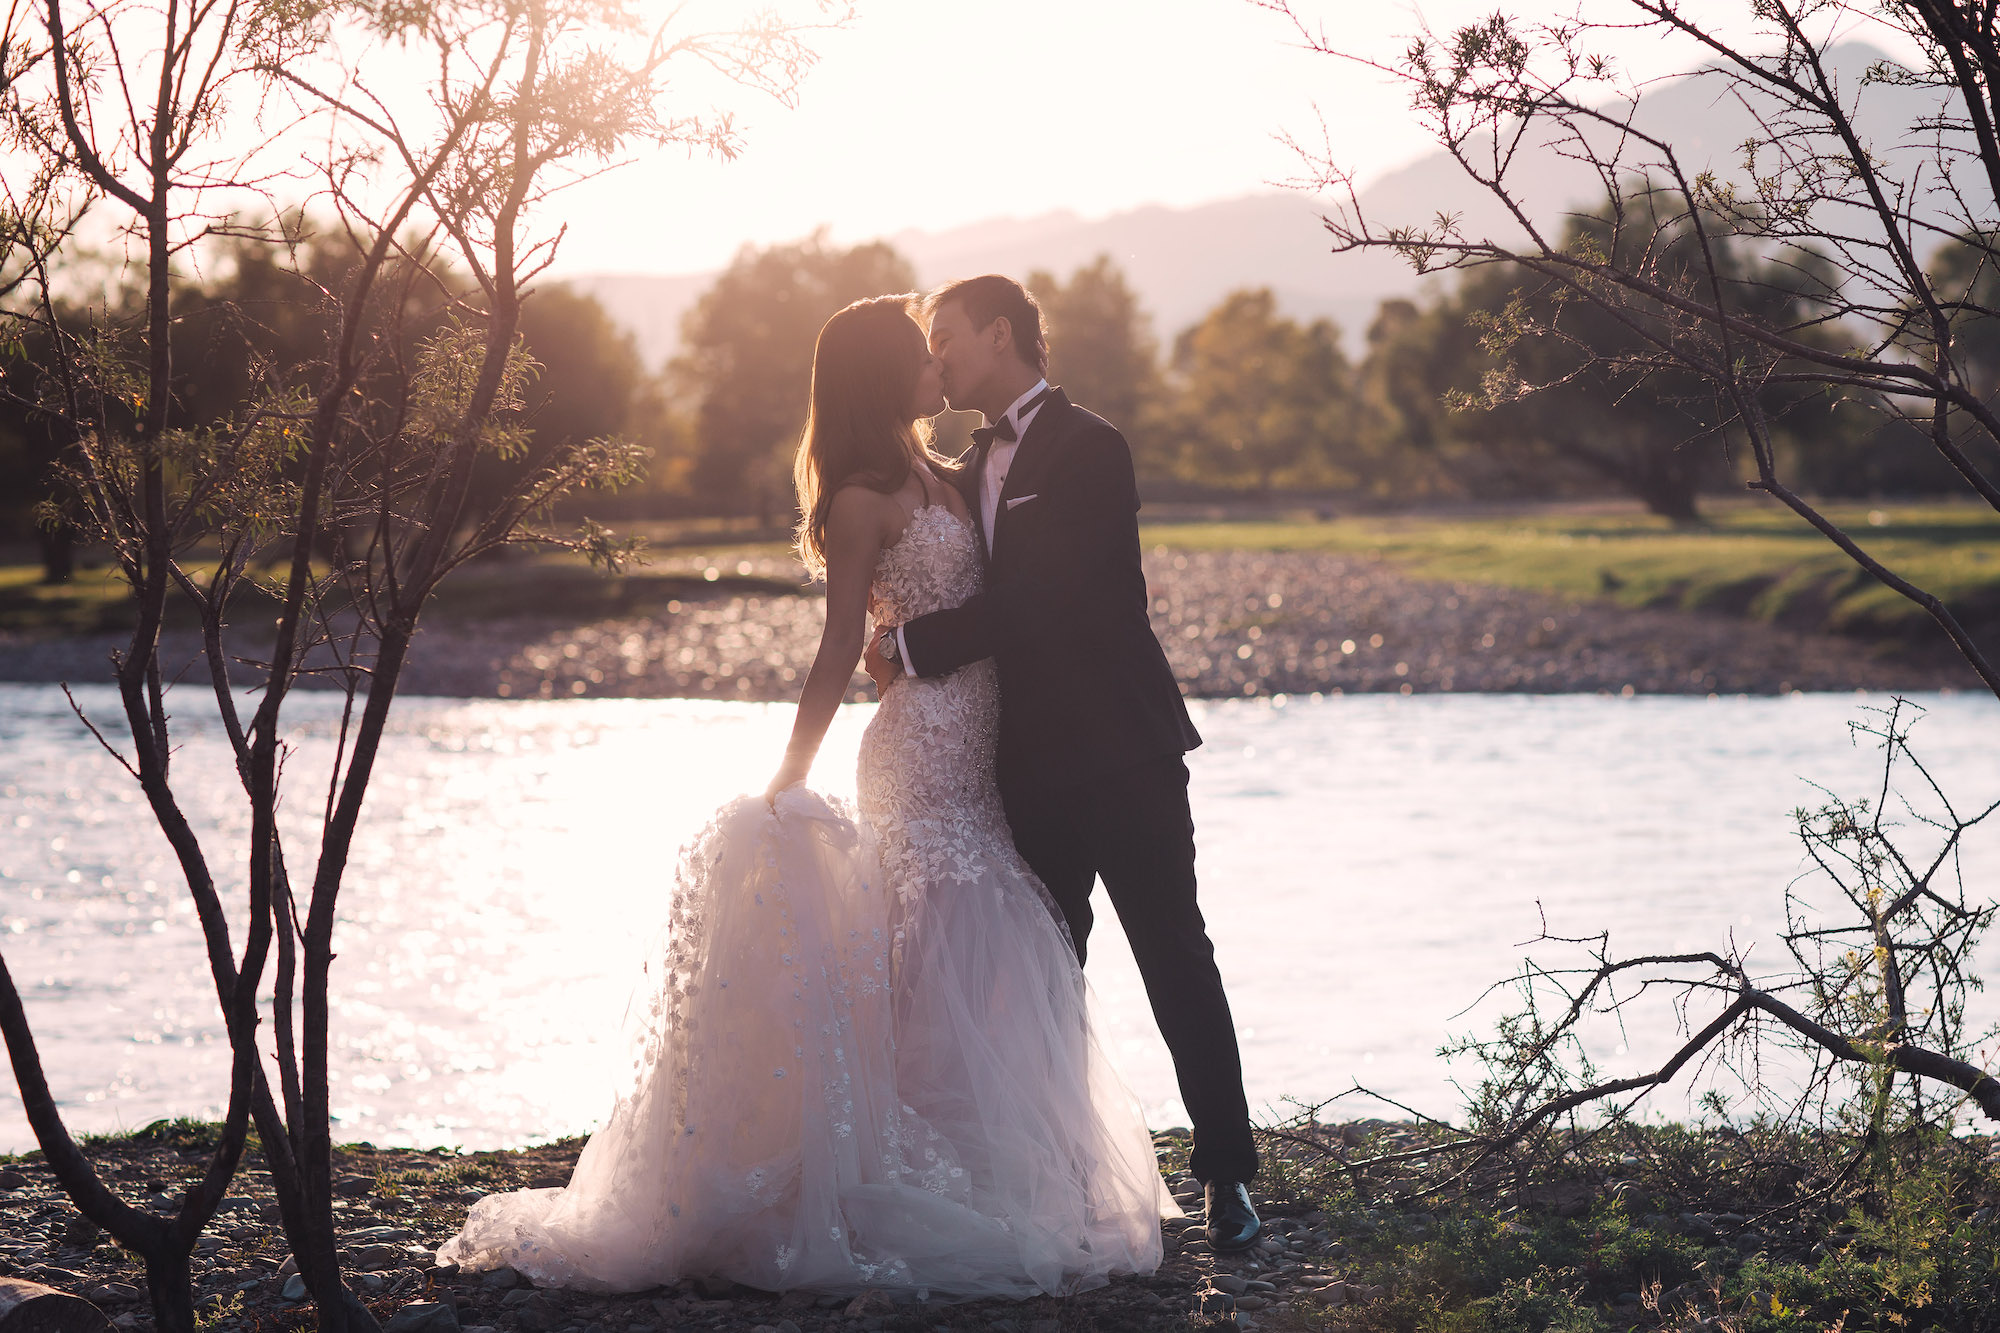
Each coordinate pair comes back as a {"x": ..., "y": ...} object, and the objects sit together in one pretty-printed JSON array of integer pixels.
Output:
[{"x": 863, "y": 1057}]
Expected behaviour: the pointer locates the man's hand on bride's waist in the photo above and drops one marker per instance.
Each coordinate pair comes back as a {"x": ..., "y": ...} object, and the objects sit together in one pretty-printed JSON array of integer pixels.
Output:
[{"x": 879, "y": 668}]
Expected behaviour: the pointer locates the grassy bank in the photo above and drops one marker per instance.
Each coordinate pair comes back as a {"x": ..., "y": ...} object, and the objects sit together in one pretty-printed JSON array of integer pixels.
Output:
[
  {"x": 1737, "y": 1228},
  {"x": 1750, "y": 559}
]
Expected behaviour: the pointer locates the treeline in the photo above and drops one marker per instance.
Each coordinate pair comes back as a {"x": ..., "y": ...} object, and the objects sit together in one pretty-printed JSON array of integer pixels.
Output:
[
  {"x": 1251, "y": 403},
  {"x": 1247, "y": 402},
  {"x": 262, "y": 316}
]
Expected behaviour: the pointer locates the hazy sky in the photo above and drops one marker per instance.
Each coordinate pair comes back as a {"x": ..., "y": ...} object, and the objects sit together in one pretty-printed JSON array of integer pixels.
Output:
[{"x": 931, "y": 113}]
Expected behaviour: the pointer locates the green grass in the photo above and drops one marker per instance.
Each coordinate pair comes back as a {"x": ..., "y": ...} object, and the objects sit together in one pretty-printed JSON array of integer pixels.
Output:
[
  {"x": 94, "y": 600},
  {"x": 1749, "y": 559},
  {"x": 556, "y": 586},
  {"x": 179, "y": 1132}
]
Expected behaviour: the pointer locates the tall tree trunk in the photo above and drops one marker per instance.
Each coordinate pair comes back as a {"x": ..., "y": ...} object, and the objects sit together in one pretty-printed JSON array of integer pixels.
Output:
[
  {"x": 172, "y": 1292},
  {"x": 58, "y": 546}
]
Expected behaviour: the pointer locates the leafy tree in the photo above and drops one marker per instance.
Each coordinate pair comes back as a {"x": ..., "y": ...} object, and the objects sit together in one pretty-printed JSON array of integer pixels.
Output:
[
  {"x": 262, "y": 318},
  {"x": 1581, "y": 385},
  {"x": 1260, "y": 400},
  {"x": 589, "y": 385},
  {"x": 1514, "y": 388},
  {"x": 747, "y": 362},
  {"x": 591, "y": 377},
  {"x": 1408, "y": 438},
  {"x": 30, "y": 443},
  {"x": 1101, "y": 347}
]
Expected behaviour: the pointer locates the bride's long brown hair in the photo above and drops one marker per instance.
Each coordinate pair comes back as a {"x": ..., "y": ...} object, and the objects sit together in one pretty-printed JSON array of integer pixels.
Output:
[{"x": 859, "y": 431}]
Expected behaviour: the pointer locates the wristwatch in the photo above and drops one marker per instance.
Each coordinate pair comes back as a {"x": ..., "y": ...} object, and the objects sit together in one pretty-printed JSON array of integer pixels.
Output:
[{"x": 886, "y": 646}]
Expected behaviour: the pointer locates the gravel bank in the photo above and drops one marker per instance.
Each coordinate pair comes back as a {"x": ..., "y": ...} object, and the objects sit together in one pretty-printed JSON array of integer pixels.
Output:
[{"x": 1235, "y": 624}]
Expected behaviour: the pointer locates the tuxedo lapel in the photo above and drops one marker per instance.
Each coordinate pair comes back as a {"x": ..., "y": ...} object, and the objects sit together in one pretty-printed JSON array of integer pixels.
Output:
[{"x": 1033, "y": 457}]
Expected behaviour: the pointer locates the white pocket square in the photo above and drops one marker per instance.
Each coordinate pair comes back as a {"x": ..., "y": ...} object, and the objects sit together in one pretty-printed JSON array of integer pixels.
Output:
[{"x": 1022, "y": 499}]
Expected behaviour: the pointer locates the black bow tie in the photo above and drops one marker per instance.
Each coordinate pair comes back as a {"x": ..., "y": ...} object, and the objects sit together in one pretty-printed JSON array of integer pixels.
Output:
[{"x": 1003, "y": 429}]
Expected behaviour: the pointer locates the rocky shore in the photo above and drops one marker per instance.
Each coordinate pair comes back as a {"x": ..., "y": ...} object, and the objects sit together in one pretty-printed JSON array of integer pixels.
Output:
[
  {"x": 1235, "y": 624},
  {"x": 396, "y": 1206},
  {"x": 1665, "y": 1229}
]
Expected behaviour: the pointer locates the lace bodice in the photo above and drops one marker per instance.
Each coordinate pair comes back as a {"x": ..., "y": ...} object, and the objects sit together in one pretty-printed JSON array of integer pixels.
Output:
[
  {"x": 933, "y": 565},
  {"x": 925, "y": 779}
]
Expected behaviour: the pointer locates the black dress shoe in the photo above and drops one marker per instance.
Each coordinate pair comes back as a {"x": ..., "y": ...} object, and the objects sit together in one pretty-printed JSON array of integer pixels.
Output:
[{"x": 1232, "y": 1222}]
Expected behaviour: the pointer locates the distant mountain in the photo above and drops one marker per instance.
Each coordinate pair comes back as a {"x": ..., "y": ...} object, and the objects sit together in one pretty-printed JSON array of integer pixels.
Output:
[{"x": 1183, "y": 260}]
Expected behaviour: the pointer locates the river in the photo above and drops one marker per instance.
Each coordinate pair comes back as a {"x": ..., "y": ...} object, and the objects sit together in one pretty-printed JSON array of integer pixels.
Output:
[{"x": 1370, "y": 864}]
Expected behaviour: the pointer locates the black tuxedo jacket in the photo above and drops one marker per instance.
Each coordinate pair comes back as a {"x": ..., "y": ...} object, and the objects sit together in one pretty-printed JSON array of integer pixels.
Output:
[{"x": 1084, "y": 686}]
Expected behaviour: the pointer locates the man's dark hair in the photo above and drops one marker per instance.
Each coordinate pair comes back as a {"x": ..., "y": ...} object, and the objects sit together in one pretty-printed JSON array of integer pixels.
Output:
[{"x": 995, "y": 296}]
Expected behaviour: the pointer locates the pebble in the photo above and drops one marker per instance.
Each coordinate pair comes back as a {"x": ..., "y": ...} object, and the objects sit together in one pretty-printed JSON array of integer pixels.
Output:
[
  {"x": 295, "y": 1287},
  {"x": 537, "y": 1314},
  {"x": 423, "y": 1317},
  {"x": 379, "y": 1235},
  {"x": 372, "y": 1256},
  {"x": 867, "y": 1303}
]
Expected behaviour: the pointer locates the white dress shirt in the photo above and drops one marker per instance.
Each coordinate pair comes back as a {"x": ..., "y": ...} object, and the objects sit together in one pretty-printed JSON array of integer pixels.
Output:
[
  {"x": 992, "y": 481},
  {"x": 1000, "y": 457}
]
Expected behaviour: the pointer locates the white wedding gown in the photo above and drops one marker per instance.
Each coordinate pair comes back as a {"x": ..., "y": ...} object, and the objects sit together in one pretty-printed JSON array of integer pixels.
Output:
[{"x": 863, "y": 1058}]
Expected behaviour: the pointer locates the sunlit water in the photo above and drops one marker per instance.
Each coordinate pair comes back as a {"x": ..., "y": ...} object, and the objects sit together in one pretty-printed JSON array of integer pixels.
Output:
[{"x": 1369, "y": 865}]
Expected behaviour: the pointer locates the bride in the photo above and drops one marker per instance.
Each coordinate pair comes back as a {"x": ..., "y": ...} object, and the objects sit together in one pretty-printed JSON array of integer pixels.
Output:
[{"x": 862, "y": 1058}]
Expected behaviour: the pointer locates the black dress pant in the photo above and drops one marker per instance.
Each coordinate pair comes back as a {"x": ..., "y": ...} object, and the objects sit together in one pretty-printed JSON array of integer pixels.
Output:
[{"x": 1132, "y": 829}]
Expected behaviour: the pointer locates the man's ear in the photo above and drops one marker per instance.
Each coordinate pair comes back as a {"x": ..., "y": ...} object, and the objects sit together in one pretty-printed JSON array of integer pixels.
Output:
[{"x": 1002, "y": 333}]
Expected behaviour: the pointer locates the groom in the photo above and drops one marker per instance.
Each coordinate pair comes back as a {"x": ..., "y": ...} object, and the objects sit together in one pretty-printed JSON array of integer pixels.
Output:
[{"x": 1092, "y": 727}]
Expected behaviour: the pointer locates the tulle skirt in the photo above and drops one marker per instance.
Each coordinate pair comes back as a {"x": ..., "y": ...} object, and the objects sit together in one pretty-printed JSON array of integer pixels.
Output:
[{"x": 837, "y": 1087}]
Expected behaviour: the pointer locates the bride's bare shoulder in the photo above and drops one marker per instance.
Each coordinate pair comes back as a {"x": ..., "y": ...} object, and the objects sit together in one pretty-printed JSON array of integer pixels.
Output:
[{"x": 858, "y": 509}]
